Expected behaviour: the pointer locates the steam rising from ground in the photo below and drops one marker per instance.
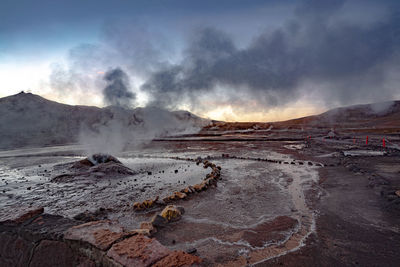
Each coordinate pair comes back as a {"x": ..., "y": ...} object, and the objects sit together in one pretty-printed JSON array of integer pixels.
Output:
[
  {"x": 127, "y": 128},
  {"x": 117, "y": 92}
]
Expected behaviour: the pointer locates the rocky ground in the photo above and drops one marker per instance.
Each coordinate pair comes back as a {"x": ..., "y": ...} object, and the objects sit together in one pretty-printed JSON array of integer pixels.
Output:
[{"x": 294, "y": 201}]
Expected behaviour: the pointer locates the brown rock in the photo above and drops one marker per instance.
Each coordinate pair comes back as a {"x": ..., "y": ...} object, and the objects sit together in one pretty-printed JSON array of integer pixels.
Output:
[
  {"x": 138, "y": 251},
  {"x": 158, "y": 221},
  {"x": 25, "y": 215},
  {"x": 101, "y": 234},
  {"x": 178, "y": 259},
  {"x": 52, "y": 253},
  {"x": 397, "y": 193},
  {"x": 86, "y": 162},
  {"x": 14, "y": 251}
]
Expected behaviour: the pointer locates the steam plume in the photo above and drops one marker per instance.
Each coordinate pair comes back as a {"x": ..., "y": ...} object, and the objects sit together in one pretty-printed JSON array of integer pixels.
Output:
[{"x": 117, "y": 92}]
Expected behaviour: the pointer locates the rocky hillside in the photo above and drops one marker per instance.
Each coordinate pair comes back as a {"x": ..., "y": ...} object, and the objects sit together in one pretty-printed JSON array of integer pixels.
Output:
[
  {"x": 375, "y": 115},
  {"x": 30, "y": 120}
]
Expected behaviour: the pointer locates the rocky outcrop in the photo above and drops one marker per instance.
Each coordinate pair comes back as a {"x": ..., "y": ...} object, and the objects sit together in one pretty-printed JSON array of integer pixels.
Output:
[
  {"x": 94, "y": 166},
  {"x": 100, "y": 234},
  {"x": 37, "y": 239},
  {"x": 138, "y": 251}
]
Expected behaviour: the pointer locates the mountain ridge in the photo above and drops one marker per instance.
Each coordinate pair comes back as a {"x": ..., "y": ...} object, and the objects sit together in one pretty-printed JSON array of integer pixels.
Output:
[{"x": 27, "y": 120}]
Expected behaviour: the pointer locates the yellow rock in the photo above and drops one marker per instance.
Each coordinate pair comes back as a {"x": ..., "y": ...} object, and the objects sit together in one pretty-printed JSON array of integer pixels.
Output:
[
  {"x": 180, "y": 195},
  {"x": 171, "y": 213},
  {"x": 137, "y": 206},
  {"x": 145, "y": 204}
]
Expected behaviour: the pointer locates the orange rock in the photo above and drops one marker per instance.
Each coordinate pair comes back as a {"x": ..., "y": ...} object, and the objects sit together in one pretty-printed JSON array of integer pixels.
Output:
[
  {"x": 20, "y": 218},
  {"x": 197, "y": 187},
  {"x": 100, "y": 234},
  {"x": 137, "y": 206},
  {"x": 138, "y": 251},
  {"x": 186, "y": 190},
  {"x": 180, "y": 195},
  {"x": 178, "y": 259}
]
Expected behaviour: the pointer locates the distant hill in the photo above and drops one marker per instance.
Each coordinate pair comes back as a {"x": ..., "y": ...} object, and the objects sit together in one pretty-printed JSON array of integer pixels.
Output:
[
  {"x": 31, "y": 120},
  {"x": 375, "y": 115}
]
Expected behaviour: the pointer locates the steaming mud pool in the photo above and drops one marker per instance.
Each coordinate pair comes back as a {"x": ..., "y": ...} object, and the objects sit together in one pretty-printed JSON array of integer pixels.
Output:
[{"x": 257, "y": 211}]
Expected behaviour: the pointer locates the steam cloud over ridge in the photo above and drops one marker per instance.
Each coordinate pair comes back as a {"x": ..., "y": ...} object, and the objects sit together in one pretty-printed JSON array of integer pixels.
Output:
[
  {"x": 347, "y": 62},
  {"x": 335, "y": 53},
  {"x": 117, "y": 92}
]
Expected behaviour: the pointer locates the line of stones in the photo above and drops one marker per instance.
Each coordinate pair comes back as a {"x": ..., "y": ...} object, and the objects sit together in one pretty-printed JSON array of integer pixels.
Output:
[
  {"x": 272, "y": 160},
  {"x": 210, "y": 180}
]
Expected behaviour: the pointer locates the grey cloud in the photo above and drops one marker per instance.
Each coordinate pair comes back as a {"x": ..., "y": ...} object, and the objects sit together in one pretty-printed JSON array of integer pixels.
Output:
[{"x": 349, "y": 59}]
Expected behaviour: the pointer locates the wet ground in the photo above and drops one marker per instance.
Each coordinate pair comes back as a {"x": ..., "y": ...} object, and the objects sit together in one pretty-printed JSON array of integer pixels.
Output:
[{"x": 285, "y": 202}]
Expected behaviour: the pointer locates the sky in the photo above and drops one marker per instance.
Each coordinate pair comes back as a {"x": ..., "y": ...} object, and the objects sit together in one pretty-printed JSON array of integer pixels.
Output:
[{"x": 229, "y": 60}]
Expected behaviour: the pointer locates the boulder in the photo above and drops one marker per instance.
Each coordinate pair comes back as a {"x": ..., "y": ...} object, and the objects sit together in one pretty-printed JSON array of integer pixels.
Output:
[
  {"x": 138, "y": 251},
  {"x": 101, "y": 234},
  {"x": 172, "y": 213}
]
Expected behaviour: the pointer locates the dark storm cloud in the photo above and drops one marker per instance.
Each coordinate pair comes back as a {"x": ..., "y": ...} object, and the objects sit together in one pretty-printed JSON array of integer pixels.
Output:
[
  {"x": 350, "y": 60},
  {"x": 117, "y": 92}
]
